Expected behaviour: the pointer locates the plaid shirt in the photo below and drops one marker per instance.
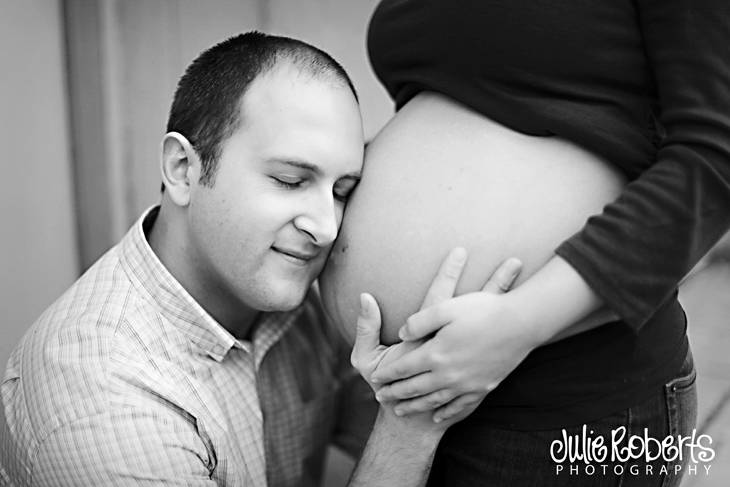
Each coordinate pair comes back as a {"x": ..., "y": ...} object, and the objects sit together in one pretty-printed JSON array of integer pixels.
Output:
[{"x": 126, "y": 380}]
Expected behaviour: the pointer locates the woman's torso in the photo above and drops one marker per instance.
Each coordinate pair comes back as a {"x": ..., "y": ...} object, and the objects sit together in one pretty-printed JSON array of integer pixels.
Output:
[
  {"x": 440, "y": 175},
  {"x": 578, "y": 71}
]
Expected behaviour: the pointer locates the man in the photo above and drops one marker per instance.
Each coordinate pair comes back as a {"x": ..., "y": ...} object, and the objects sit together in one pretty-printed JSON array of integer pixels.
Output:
[{"x": 195, "y": 351}]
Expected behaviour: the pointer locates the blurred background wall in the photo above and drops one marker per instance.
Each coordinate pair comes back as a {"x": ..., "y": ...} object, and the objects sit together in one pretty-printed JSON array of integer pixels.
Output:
[{"x": 38, "y": 248}]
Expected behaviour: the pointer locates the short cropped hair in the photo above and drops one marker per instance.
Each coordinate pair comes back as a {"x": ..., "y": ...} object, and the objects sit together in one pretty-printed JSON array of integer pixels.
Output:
[{"x": 206, "y": 105}]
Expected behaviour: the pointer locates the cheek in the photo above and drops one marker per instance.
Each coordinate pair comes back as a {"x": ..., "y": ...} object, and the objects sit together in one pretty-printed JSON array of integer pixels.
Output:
[
  {"x": 251, "y": 228},
  {"x": 244, "y": 218},
  {"x": 271, "y": 212},
  {"x": 221, "y": 226}
]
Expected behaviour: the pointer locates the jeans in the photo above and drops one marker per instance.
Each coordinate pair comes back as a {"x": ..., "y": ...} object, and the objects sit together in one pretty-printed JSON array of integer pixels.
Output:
[{"x": 495, "y": 457}]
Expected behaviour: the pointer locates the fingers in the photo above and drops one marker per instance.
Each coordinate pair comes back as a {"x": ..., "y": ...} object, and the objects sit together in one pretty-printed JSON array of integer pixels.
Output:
[
  {"x": 423, "y": 323},
  {"x": 462, "y": 405},
  {"x": 367, "y": 338},
  {"x": 443, "y": 285},
  {"x": 416, "y": 386},
  {"x": 502, "y": 279},
  {"x": 425, "y": 403},
  {"x": 410, "y": 364},
  {"x": 431, "y": 317}
]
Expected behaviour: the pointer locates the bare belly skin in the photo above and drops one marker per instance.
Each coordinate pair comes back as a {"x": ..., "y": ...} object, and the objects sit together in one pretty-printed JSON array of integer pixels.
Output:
[{"x": 440, "y": 175}]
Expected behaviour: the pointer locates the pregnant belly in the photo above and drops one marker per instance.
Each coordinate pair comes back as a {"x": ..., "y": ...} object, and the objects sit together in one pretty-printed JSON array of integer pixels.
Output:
[{"x": 440, "y": 175}]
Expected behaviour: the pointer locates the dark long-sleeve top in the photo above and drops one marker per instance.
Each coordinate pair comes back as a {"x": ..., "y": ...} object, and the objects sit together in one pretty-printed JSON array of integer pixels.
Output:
[{"x": 643, "y": 83}]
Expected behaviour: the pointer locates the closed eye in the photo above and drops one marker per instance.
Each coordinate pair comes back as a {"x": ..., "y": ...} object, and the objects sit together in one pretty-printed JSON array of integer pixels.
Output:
[{"x": 288, "y": 183}]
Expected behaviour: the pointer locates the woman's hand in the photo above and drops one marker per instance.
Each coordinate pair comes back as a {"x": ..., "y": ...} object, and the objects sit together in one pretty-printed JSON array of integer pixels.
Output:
[
  {"x": 479, "y": 338},
  {"x": 478, "y": 342},
  {"x": 369, "y": 355}
]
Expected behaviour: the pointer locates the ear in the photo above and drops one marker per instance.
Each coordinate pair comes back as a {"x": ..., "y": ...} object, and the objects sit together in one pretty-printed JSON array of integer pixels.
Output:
[{"x": 179, "y": 167}]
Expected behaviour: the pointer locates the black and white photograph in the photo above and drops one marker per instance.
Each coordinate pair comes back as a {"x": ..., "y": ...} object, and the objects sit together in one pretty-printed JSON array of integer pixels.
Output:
[{"x": 365, "y": 243}]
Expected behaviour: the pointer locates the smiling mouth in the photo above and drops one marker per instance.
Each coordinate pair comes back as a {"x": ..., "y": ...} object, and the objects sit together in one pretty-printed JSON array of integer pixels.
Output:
[{"x": 295, "y": 257}]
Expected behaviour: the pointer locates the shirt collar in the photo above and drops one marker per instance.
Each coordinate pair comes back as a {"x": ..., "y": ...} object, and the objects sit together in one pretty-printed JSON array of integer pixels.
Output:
[{"x": 152, "y": 279}]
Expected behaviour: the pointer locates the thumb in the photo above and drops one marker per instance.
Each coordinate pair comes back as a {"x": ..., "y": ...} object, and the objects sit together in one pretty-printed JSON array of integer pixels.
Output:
[{"x": 367, "y": 338}]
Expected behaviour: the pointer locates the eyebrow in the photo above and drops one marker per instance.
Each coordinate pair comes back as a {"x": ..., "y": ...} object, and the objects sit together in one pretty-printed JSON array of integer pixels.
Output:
[{"x": 309, "y": 167}]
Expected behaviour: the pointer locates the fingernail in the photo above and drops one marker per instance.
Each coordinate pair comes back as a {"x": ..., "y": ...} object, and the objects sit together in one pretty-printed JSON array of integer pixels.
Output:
[
  {"x": 379, "y": 397},
  {"x": 374, "y": 379},
  {"x": 459, "y": 255},
  {"x": 363, "y": 304},
  {"x": 402, "y": 333},
  {"x": 398, "y": 412},
  {"x": 437, "y": 419}
]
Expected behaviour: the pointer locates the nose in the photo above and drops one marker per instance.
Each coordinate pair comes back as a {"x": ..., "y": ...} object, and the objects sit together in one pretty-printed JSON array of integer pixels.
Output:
[{"x": 320, "y": 219}]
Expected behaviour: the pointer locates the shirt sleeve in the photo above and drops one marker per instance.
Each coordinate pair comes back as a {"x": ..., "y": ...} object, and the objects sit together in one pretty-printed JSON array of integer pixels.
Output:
[
  {"x": 638, "y": 249},
  {"x": 356, "y": 407},
  {"x": 128, "y": 447},
  {"x": 356, "y": 413}
]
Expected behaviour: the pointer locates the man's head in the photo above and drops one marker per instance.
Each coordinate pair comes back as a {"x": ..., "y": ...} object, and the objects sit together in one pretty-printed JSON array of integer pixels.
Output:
[
  {"x": 205, "y": 108},
  {"x": 264, "y": 146}
]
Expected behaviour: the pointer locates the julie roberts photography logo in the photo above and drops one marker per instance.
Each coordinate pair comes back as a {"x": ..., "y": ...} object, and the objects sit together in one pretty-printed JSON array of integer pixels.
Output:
[{"x": 631, "y": 454}]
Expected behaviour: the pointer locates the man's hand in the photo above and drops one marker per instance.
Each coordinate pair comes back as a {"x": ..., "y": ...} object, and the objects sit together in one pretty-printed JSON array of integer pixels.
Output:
[
  {"x": 479, "y": 339},
  {"x": 369, "y": 355}
]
